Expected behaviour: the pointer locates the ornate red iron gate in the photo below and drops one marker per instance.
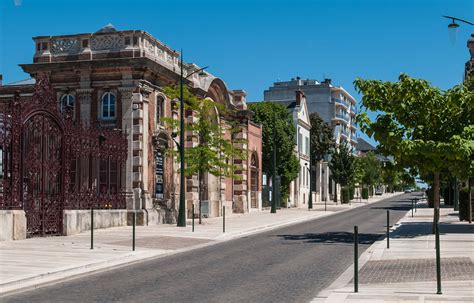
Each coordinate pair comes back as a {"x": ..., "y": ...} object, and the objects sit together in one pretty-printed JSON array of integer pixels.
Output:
[
  {"x": 50, "y": 163},
  {"x": 42, "y": 174}
]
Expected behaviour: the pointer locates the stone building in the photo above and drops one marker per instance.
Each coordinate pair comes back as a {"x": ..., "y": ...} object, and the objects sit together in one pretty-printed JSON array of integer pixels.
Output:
[{"x": 115, "y": 79}]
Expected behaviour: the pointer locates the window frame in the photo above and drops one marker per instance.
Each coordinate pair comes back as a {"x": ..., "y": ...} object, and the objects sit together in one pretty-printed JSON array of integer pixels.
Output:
[
  {"x": 67, "y": 97},
  {"x": 109, "y": 96},
  {"x": 159, "y": 109}
]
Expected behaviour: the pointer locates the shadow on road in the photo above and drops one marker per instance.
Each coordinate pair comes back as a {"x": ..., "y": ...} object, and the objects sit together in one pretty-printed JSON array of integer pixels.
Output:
[
  {"x": 394, "y": 208},
  {"x": 332, "y": 238},
  {"x": 417, "y": 229}
]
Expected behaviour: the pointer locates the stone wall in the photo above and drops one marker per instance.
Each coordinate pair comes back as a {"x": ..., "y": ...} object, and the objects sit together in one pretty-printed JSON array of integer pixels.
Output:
[
  {"x": 12, "y": 225},
  {"x": 76, "y": 221}
]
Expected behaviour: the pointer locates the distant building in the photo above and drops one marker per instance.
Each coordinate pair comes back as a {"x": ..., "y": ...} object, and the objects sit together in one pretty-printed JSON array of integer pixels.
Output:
[{"x": 333, "y": 104}]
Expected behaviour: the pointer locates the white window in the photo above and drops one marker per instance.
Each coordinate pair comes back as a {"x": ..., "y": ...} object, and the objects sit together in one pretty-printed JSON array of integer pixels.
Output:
[
  {"x": 67, "y": 102},
  {"x": 300, "y": 143},
  {"x": 108, "y": 106},
  {"x": 307, "y": 146}
]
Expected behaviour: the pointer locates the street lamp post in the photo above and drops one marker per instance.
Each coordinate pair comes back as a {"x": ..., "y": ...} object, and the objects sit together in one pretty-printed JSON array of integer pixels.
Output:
[
  {"x": 273, "y": 209},
  {"x": 182, "y": 192}
]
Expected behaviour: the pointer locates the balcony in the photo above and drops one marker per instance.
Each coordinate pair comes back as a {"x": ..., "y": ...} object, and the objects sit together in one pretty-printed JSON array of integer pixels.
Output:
[
  {"x": 341, "y": 102},
  {"x": 344, "y": 117}
]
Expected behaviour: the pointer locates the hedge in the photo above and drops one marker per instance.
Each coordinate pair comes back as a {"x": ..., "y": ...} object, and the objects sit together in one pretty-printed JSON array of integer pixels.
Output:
[
  {"x": 365, "y": 193},
  {"x": 345, "y": 195}
]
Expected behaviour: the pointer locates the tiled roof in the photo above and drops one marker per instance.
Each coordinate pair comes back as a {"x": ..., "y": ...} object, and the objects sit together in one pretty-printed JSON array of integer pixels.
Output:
[{"x": 364, "y": 146}]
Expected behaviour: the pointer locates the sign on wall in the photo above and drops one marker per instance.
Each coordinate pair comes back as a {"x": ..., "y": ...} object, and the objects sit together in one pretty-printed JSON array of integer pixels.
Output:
[{"x": 159, "y": 171}]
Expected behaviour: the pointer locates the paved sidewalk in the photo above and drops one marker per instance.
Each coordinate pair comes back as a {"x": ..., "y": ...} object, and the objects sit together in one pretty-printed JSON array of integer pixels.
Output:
[
  {"x": 32, "y": 262},
  {"x": 406, "y": 272}
]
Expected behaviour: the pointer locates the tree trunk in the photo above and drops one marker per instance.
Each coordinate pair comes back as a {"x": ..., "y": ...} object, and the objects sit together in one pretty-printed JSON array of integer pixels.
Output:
[{"x": 335, "y": 192}]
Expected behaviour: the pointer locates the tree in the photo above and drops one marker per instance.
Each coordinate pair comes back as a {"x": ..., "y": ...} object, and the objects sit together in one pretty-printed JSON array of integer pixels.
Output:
[
  {"x": 321, "y": 138},
  {"x": 213, "y": 148},
  {"x": 341, "y": 166},
  {"x": 422, "y": 126},
  {"x": 275, "y": 116},
  {"x": 372, "y": 171}
]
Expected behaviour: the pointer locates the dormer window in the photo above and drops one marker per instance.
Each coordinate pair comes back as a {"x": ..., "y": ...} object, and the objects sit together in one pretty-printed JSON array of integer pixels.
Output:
[
  {"x": 108, "y": 106},
  {"x": 67, "y": 102}
]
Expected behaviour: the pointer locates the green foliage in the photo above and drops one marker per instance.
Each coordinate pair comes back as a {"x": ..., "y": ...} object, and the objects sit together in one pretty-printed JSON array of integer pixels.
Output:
[
  {"x": 213, "y": 151},
  {"x": 345, "y": 194},
  {"x": 321, "y": 138},
  {"x": 275, "y": 116},
  {"x": 342, "y": 165},
  {"x": 371, "y": 169},
  {"x": 351, "y": 191},
  {"x": 420, "y": 125},
  {"x": 365, "y": 193}
]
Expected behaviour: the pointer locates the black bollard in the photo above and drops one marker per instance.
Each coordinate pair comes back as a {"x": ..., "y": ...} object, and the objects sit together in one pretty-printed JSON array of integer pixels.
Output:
[
  {"x": 388, "y": 229},
  {"x": 223, "y": 219},
  {"x": 134, "y": 222},
  {"x": 412, "y": 208},
  {"x": 92, "y": 227},
  {"x": 438, "y": 257},
  {"x": 356, "y": 259},
  {"x": 193, "y": 216}
]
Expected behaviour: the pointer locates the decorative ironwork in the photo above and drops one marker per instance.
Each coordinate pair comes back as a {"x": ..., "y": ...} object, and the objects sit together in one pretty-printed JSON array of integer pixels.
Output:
[{"x": 50, "y": 163}]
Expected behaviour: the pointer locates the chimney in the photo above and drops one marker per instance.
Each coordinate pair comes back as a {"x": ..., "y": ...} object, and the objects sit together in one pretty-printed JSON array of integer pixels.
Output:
[
  {"x": 299, "y": 96},
  {"x": 327, "y": 81}
]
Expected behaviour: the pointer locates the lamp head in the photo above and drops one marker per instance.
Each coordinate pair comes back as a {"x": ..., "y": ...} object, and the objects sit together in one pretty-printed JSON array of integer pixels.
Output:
[{"x": 453, "y": 25}]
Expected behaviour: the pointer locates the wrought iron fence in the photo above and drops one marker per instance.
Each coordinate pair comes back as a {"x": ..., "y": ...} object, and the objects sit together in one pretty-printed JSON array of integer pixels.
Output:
[{"x": 49, "y": 162}]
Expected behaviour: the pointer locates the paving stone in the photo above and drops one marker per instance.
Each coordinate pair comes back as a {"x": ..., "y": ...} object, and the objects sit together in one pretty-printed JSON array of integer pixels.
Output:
[{"x": 415, "y": 270}]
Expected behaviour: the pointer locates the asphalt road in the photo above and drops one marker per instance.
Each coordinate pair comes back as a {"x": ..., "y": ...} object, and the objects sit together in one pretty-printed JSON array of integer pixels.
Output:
[{"x": 291, "y": 264}]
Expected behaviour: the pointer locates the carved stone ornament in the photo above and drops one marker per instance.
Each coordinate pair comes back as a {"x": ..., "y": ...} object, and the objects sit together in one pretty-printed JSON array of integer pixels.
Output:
[
  {"x": 107, "y": 42},
  {"x": 126, "y": 92},
  {"x": 64, "y": 46}
]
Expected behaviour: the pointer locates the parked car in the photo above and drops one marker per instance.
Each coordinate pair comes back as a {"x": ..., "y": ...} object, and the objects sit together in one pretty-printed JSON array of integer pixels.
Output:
[
  {"x": 408, "y": 190},
  {"x": 379, "y": 190}
]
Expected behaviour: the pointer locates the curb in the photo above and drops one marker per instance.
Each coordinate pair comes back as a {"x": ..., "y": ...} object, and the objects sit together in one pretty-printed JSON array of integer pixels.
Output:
[
  {"x": 344, "y": 279},
  {"x": 67, "y": 274}
]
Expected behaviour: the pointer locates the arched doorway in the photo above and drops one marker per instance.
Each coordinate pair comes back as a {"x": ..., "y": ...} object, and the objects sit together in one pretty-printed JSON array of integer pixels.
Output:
[
  {"x": 254, "y": 181},
  {"x": 42, "y": 171}
]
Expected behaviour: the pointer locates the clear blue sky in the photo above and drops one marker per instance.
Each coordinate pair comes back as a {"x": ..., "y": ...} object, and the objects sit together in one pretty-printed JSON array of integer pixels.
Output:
[{"x": 251, "y": 44}]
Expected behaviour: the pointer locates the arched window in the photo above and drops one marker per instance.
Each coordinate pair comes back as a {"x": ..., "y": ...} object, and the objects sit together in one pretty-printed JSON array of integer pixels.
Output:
[
  {"x": 67, "y": 101},
  {"x": 108, "y": 106},
  {"x": 160, "y": 109}
]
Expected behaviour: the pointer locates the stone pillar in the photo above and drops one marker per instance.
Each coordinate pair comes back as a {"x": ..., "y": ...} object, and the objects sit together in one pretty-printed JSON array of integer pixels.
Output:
[
  {"x": 127, "y": 127},
  {"x": 84, "y": 97},
  {"x": 241, "y": 186}
]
